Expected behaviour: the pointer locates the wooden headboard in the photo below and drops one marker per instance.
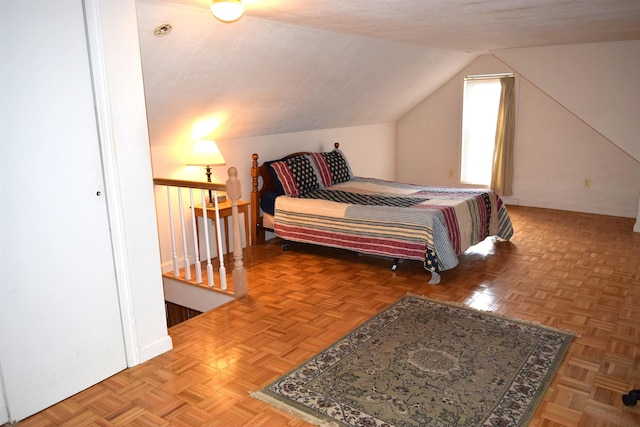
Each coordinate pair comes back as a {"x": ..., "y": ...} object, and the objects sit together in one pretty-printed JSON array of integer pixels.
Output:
[{"x": 257, "y": 172}]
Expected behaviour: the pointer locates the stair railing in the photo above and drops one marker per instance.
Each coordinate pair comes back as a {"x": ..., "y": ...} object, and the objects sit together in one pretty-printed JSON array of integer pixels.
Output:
[{"x": 186, "y": 199}]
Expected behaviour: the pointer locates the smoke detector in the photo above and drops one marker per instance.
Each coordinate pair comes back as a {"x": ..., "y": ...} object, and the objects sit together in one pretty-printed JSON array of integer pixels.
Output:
[{"x": 162, "y": 30}]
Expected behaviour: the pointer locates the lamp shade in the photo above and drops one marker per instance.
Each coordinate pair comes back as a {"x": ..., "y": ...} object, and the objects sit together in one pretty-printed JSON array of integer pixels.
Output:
[
  {"x": 206, "y": 153},
  {"x": 227, "y": 10}
]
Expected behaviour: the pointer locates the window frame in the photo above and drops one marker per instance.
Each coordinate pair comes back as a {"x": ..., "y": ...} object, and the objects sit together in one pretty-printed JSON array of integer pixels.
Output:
[{"x": 472, "y": 77}]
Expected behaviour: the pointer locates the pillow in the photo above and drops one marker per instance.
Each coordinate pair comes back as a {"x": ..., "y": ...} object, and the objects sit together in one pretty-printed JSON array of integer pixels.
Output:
[
  {"x": 323, "y": 169},
  {"x": 268, "y": 201},
  {"x": 297, "y": 175},
  {"x": 333, "y": 167},
  {"x": 277, "y": 185}
]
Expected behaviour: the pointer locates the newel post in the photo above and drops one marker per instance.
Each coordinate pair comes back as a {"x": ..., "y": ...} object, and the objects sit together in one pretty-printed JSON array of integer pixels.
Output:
[{"x": 239, "y": 273}]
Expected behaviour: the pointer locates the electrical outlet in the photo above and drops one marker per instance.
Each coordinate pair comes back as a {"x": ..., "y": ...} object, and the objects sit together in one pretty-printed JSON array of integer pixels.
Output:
[{"x": 586, "y": 183}]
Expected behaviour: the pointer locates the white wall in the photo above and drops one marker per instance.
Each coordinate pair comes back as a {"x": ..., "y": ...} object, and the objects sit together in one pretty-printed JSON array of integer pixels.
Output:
[
  {"x": 371, "y": 151},
  {"x": 598, "y": 82},
  {"x": 136, "y": 245},
  {"x": 555, "y": 150}
]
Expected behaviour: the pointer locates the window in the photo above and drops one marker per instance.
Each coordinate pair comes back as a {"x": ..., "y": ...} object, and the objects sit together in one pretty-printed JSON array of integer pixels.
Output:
[{"x": 479, "y": 117}]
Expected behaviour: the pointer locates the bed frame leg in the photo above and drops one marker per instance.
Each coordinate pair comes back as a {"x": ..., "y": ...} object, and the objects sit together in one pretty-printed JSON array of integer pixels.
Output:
[
  {"x": 394, "y": 266},
  {"x": 285, "y": 246}
]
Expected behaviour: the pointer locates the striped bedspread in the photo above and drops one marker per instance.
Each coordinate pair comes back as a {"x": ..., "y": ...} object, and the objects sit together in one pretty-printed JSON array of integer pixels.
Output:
[{"x": 406, "y": 221}]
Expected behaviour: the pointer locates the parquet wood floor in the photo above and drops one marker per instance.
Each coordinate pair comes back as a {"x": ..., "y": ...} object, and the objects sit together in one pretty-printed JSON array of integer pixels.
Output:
[{"x": 568, "y": 270}]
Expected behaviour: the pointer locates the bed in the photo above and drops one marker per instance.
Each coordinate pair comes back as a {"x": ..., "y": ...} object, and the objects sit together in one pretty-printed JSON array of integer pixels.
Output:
[{"x": 315, "y": 198}]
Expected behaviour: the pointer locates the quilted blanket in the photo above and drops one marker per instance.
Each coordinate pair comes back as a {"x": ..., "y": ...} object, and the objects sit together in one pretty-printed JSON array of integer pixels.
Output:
[{"x": 406, "y": 221}]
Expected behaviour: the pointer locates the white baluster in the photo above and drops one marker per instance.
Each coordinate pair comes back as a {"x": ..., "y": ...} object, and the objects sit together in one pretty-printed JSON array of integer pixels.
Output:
[
  {"x": 223, "y": 272},
  {"x": 176, "y": 270},
  {"x": 187, "y": 267},
  {"x": 195, "y": 238},
  {"x": 205, "y": 220}
]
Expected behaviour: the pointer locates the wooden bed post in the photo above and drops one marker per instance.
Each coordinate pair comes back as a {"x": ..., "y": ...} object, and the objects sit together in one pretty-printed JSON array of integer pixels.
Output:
[
  {"x": 239, "y": 273},
  {"x": 257, "y": 232}
]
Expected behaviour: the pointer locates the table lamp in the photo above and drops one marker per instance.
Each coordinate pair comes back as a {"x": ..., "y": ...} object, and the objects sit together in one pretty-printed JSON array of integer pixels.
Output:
[{"x": 206, "y": 153}]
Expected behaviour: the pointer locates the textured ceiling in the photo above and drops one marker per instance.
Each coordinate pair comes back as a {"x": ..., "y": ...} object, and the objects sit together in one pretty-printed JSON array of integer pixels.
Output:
[
  {"x": 294, "y": 65},
  {"x": 467, "y": 25}
]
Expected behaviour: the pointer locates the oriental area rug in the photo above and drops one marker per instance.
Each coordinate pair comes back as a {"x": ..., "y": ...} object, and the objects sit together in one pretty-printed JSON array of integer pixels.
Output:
[{"x": 425, "y": 363}]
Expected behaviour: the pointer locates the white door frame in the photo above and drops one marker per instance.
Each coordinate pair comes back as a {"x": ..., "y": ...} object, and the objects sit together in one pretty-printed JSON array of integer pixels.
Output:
[{"x": 112, "y": 182}]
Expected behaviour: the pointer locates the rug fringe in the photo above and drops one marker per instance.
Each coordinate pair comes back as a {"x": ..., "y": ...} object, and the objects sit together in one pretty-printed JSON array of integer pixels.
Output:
[
  {"x": 499, "y": 315},
  {"x": 304, "y": 416}
]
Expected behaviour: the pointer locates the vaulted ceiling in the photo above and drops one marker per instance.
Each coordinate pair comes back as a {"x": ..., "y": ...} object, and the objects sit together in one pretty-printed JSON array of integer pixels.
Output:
[{"x": 295, "y": 65}]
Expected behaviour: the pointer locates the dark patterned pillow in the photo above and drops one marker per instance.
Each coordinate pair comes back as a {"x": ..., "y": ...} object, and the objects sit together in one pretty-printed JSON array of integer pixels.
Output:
[
  {"x": 274, "y": 178},
  {"x": 297, "y": 175},
  {"x": 333, "y": 167}
]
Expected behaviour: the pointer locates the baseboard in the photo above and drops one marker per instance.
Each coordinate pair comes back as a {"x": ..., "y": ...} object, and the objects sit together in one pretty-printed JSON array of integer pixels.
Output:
[
  {"x": 608, "y": 211},
  {"x": 155, "y": 349}
]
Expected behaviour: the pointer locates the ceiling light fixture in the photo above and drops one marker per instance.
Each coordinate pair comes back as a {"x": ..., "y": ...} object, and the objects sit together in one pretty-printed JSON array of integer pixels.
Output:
[{"x": 227, "y": 10}]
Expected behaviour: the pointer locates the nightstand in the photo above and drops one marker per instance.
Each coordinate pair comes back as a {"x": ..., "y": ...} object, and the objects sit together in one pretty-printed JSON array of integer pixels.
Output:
[{"x": 224, "y": 209}]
